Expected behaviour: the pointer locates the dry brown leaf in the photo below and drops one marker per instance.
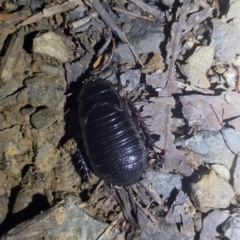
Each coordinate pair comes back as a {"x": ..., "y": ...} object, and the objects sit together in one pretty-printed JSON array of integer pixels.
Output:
[{"x": 155, "y": 63}]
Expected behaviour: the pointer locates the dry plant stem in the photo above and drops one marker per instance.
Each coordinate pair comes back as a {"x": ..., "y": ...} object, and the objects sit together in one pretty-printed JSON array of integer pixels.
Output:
[
  {"x": 174, "y": 47},
  {"x": 223, "y": 133},
  {"x": 149, "y": 9},
  {"x": 111, "y": 225},
  {"x": 106, "y": 44},
  {"x": 230, "y": 215},
  {"x": 82, "y": 21},
  {"x": 132, "y": 14},
  {"x": 50, "y": 12},
  {"x": 217, "y": 6},
  {"x": 107, "y": 19}
]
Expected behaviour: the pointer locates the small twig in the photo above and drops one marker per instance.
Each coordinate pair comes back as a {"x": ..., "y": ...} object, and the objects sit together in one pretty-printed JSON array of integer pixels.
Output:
[
  {"x": 132, "y": 14},
  {"x": 82, "y": 21},
  {"x": 149, "y": 9},
  {"x": 110, "y": 226},
  {"x": 231, "y": 215},
  {"x": 107, "y": 18},
  {"x": 50, "y": 12},
  {"x": 106, "y": 44},
  {"x": 223, "y": 133}
]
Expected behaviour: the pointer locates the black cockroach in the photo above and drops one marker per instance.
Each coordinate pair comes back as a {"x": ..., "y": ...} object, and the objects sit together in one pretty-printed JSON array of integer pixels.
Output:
[{"x": 109, "y": 125}]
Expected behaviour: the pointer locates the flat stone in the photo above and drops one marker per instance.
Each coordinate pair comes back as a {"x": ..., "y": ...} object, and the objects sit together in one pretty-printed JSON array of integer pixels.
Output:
[
  {"x": 211, "y": 191},
  {"x": 146, "y": 36},
  {"x": 233, "y": 11},
  {"x": 225, "y": 41},
  {"x": 222, "y": 171},
  {"x": 43, "y": 118},
  {"x": 52, "y": 45},
  {"x": 164, "y": 183},
  {"x": 231, "y": 227},
  {"x": 195, "y": 77},
  {"x": 202, "y": 58},
  {"x": 212, "y": 147}
]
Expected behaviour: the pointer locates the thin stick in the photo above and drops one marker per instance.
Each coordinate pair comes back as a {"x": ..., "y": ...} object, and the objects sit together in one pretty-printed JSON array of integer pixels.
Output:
[
  {"x": 132, "y": 14},
  {"x": 132, "y": 50}
]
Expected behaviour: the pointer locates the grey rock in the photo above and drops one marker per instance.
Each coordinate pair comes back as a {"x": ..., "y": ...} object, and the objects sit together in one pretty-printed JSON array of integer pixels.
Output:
[
  {"x": 202, "y": 58},
  {"x": 124, "y": 55},
  {"x": 225, "y": 41},
  {"x": 52, "y": 45},
  {"x": 23, "y": 199},
  {"x": 163, "y": 231},
  {"x": 231, "y": 227},
  {"x": 43, "y": 118},
  {"x": 212, "y": 147},
  {"x": 197, "y": 65},
  {"x": 211, "y": 191},
  {"x": 222, "y": 171},
  {"x": 198, "y": 221},
  {"x": 146, "y": 36},
  {"x": 210, "y": 224},
  {"x": 68, "y": 220},
  {"x": 233, "y": 11},
  {"x": 165, "y": 183},
  {"x": 195, "y": 77},
  {"x": 133, "y": 76}
]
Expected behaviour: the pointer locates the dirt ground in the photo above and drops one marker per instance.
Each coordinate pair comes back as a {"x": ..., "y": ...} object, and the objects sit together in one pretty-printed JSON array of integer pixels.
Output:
[{"x": 177, "y": 61}]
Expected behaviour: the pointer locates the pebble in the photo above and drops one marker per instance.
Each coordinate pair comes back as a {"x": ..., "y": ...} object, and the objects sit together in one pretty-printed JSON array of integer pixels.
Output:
[
  {"x": 211, "y": 223},
  {"x": 164, "y": 183},
  {"x": 231, "y": 227},
  {"x": 212, "y": 147},
  {"x": 222, "y": 171},
  {"x": 225, "y": 41},
  {"x": 233, "y": 11},
  {"x": 197, "y": 65},
  {"x": 43, "y": 118},
  {"x": 52, "y": 45},
  {"x": 202, "y": 58},
  {"x": 211, "y": 191},
  {"x": 145, "y": 41}
]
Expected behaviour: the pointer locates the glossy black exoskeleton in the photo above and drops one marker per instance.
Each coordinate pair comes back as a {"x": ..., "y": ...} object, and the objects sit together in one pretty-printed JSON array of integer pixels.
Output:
[{"x": 113, "y": 144}]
